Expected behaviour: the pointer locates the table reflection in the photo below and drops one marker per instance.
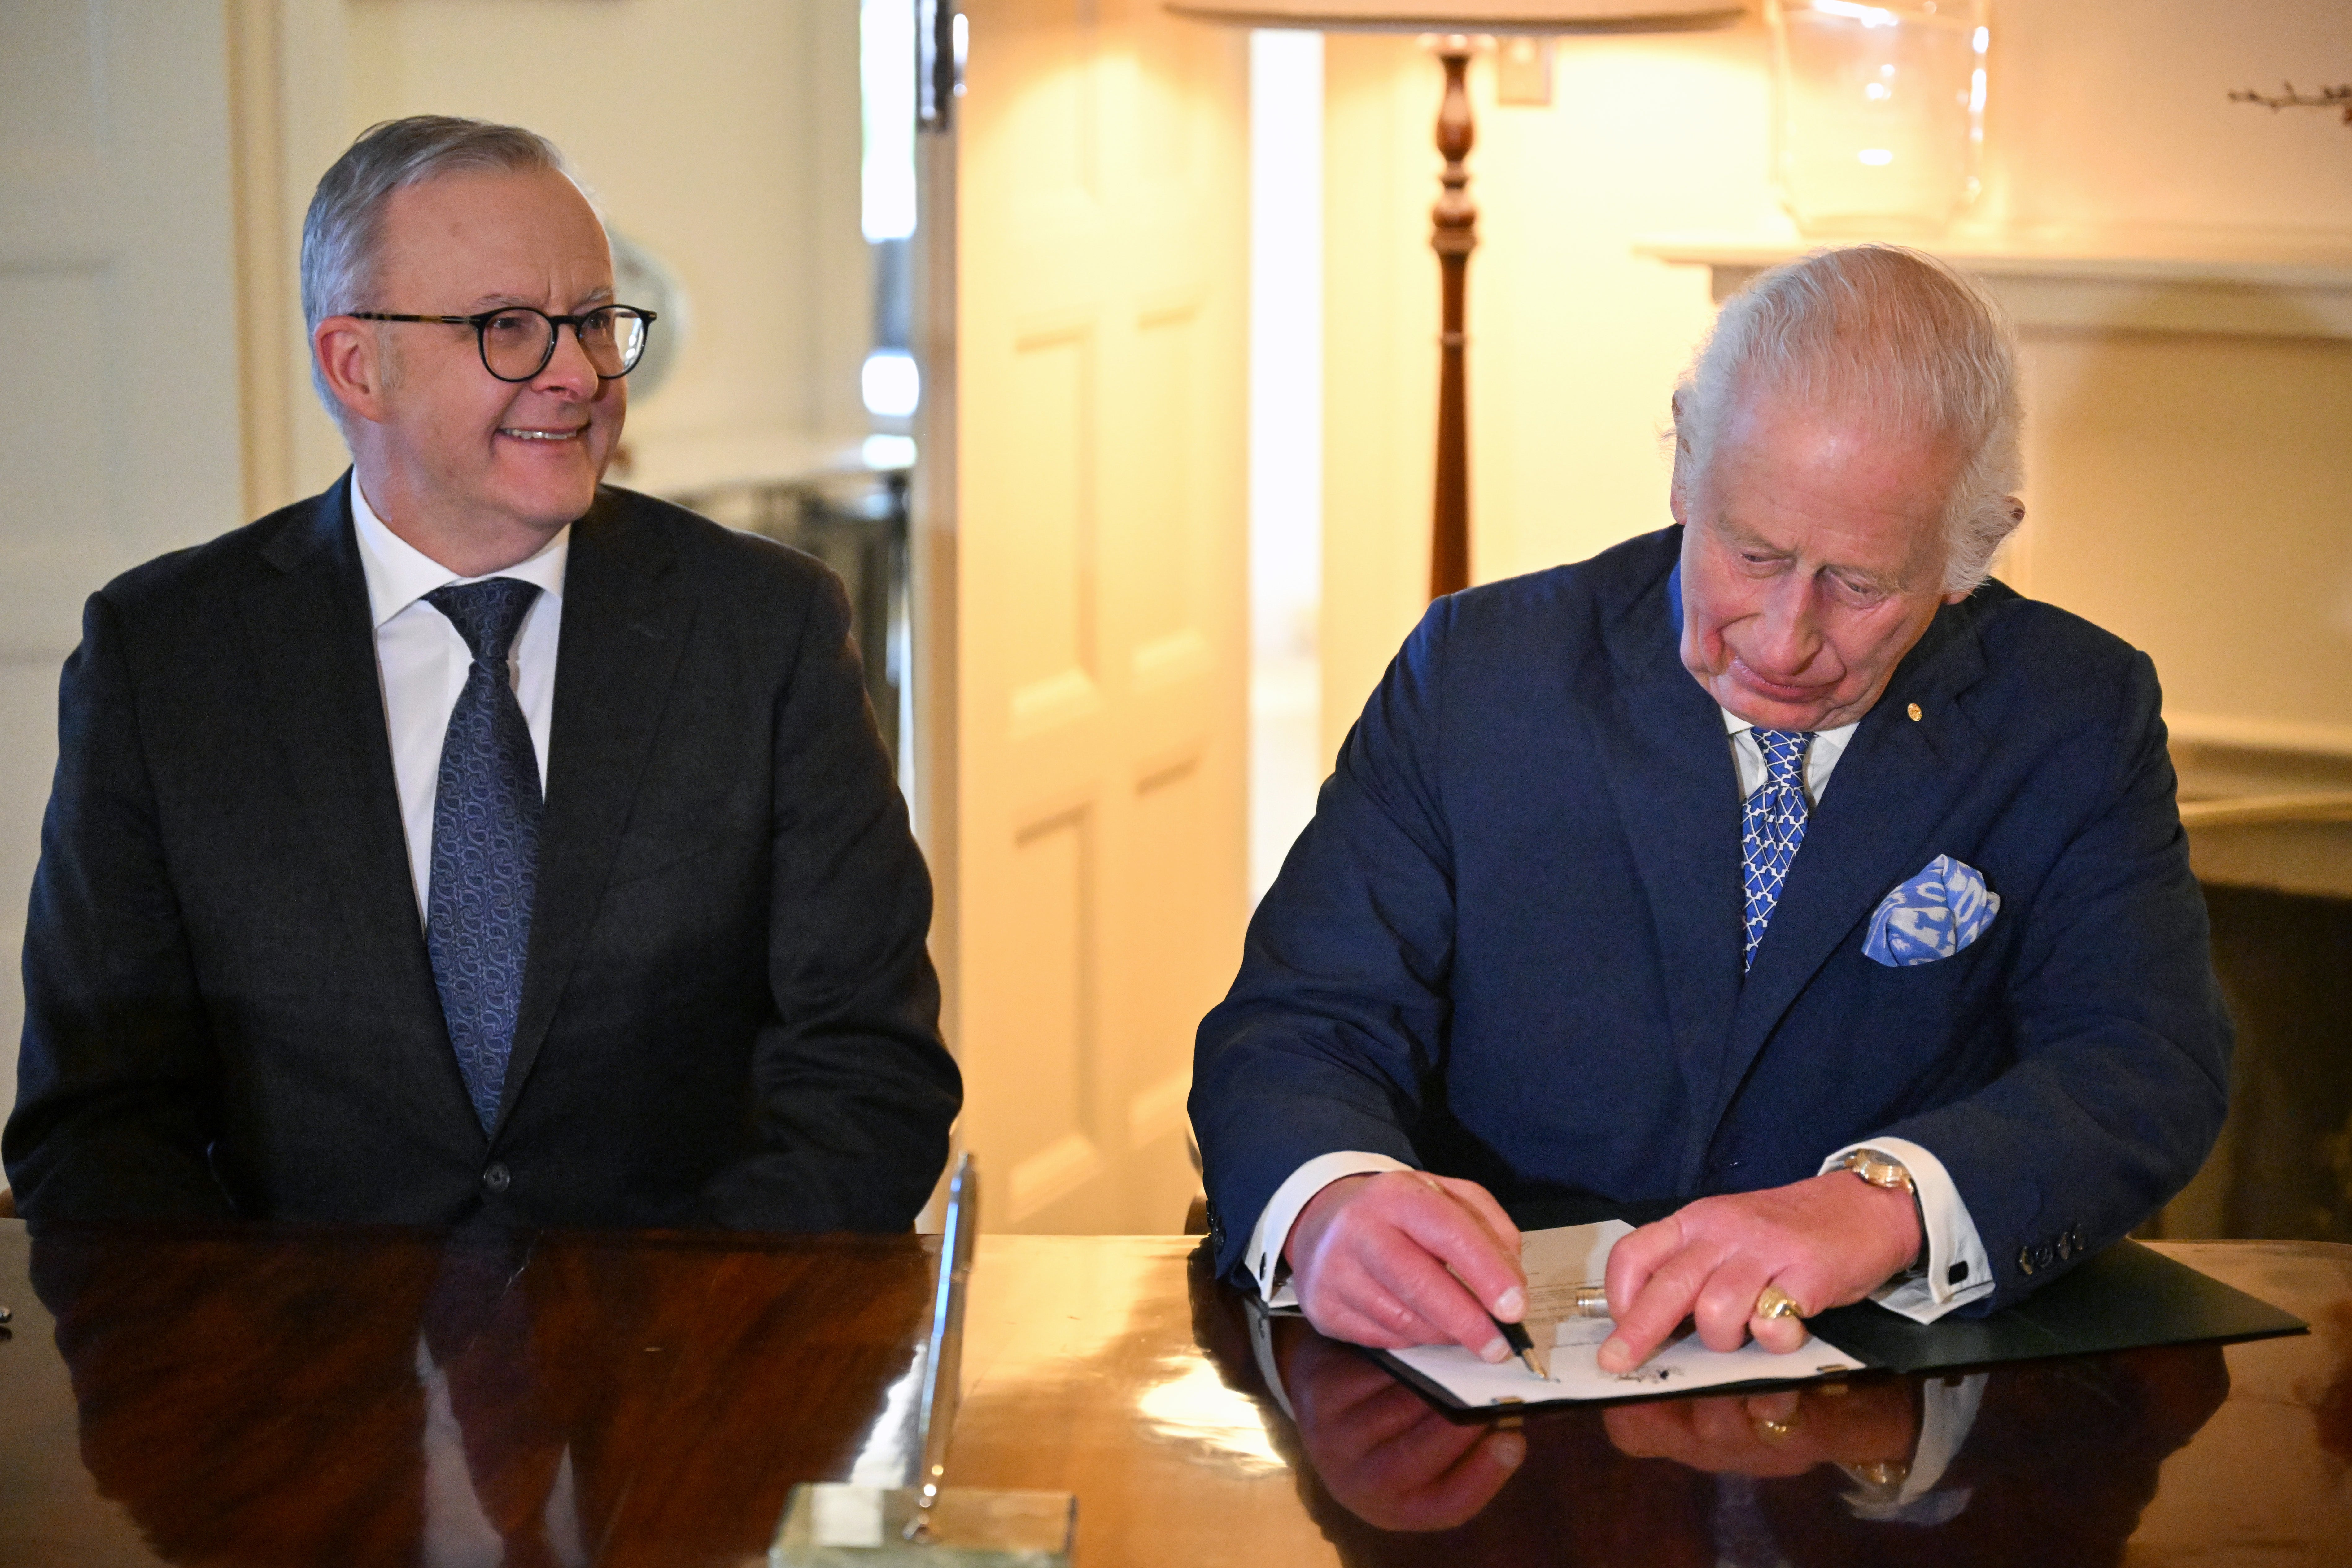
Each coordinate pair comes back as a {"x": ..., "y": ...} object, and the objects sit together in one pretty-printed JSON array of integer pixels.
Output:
[
  {"x": 2035, "y": 1462},
  {"x": 416, "y": 1418},
  {"x": 451, "y": 1401}
]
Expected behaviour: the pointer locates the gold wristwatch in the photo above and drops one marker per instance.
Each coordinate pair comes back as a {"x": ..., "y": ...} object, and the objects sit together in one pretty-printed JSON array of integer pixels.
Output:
[{"x": 1881, "y": 1170}]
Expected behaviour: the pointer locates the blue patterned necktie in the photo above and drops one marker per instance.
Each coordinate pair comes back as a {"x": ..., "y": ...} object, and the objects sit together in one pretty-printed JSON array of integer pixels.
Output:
[
  {"x": 1771, "y": 828},
  {"x": 485, "y": 842}
]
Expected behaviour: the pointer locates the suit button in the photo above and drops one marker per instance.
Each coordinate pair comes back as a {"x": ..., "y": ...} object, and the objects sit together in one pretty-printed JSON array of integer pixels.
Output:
[
  {"x": 498, "y": 1179},
  {"x": 2047, "y": 1256},
  {"x": 2025, "y": 1259},
  {"x": 2066, "y": 1246}
]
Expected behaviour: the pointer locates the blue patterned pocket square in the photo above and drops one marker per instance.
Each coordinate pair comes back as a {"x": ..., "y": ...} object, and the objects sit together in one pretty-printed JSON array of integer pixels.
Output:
[{"x": 1933, "y": 915}]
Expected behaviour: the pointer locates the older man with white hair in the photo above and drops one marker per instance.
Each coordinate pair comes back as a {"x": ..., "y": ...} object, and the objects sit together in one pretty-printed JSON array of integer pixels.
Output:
[
  {"x": 1778, "y": 873},
  {"x": 475, "y": 841}
]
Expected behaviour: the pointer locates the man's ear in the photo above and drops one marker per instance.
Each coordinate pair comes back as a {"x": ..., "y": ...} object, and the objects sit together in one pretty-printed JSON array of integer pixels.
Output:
[
  {"x": 2016, "y": 511},
  {"x": 350, "y": 359}
]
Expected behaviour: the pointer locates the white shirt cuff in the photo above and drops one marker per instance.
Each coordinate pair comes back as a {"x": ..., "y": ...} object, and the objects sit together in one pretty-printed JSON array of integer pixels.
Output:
[
  {"x": 1957, "y": 1269},
  {"x": 1947, "y": 1414},
  {"x": 1263, "y": 1258}
]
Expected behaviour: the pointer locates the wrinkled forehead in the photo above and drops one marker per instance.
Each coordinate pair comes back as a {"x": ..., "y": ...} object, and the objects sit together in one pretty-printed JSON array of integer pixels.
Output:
[
  {"x": 1843, "y": 466},
  {"x": 487, "y": 222}
]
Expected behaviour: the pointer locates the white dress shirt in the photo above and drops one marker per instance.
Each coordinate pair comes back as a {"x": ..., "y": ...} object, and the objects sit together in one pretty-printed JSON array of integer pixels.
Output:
[
  {"x": 1957, "y": 1269},
  {"x": 457, "y": 1529},
  {"x": 421, "y": 662}
]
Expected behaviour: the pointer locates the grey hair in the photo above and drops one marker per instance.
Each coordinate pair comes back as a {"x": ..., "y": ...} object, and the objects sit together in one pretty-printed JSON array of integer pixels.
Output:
[
  {"x": 1889, "y": 329},
  {"x": 346, "y": 216}
]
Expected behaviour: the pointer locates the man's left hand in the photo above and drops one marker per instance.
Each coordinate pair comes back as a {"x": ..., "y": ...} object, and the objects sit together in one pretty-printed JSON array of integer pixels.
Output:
[{"x": 1826, "y": 1241}]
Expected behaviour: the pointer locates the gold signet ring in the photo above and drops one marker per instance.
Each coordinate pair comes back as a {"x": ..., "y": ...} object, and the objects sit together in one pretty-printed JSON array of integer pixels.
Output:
[
  {"x": 1776, "y": 1303},
  {"x": 1773, "y": 1431}
]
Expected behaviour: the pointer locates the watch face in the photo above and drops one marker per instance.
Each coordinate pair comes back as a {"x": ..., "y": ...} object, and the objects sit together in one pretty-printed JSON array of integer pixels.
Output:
[{"x": 1878, "y": 1170}]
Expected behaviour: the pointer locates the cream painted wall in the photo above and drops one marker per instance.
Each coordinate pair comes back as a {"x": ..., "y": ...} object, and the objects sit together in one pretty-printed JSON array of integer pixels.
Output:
[
  {"x": 722, "y": 134},
  {"x": 2194, "y": 497},
  {"x": 2192, "y": 494},
  {"x": 2108, "y": 125},
  {"x": 118, "y": 302},
  {"x": 2116, "y": 114},
  {"x": 1574, "y": 340}
]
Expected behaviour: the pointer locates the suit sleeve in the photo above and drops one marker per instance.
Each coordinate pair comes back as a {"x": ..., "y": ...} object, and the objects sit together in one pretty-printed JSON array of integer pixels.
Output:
[
  {"x": 116, "y": 1076},
  {"x": 2121, "y": 1078},
  {"x": 853, "y": 1092},
  {"x": 1331, "y": 1031}
]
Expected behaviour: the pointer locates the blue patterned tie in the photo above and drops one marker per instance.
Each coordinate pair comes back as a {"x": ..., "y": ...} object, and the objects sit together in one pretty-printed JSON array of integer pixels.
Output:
[
  {"x": 485, "y": 842},
  {"x": 1771, "y": 828}
]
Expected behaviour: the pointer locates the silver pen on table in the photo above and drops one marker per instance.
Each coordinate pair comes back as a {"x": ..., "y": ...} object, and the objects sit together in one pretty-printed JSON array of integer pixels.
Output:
[{"x": 943, "y": 1367}]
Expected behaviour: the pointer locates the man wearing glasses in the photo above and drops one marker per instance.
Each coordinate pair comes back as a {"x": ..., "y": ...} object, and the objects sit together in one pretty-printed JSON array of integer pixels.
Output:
[{"x": 475, "y": 840}]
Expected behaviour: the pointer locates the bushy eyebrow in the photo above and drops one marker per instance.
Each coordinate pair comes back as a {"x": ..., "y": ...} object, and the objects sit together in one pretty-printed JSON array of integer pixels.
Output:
[
  {"x": 1867, "y": 579},
  {"x": 1740, "y": 538}
]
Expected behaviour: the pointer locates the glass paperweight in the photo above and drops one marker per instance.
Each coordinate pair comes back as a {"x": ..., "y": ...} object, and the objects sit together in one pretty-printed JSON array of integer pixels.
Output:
[{"x": 1880, "y": 113}]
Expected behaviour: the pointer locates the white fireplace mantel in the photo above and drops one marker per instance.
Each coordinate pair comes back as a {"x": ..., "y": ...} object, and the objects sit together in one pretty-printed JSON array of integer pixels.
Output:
[{"x": 2295, "y": 288}]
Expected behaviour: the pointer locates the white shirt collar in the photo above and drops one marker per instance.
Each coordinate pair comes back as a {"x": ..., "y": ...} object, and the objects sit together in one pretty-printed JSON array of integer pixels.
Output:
[
  {"x": 1733, "y": 723},
  {"x": 399, "y": 574}
]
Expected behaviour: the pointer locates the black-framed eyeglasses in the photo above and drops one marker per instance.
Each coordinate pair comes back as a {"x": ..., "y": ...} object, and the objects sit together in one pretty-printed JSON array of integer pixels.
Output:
[{"x": 517, "y": 341}]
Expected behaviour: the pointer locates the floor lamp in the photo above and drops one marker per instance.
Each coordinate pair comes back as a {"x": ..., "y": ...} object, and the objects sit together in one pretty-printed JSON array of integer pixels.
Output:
[{"x": 1455, "y": 28}]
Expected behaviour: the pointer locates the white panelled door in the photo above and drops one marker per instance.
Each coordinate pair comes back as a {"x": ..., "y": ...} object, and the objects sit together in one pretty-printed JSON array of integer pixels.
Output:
[
  {"x": 119, "y": 402},
  {"x": 1101, "y": 386}
]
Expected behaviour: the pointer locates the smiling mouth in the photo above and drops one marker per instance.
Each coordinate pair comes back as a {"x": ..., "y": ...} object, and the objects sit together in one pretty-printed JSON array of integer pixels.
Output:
[{"x": 517, "y": 433}]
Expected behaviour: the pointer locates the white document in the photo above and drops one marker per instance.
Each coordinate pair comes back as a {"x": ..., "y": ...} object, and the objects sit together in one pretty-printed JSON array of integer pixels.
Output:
[{"x": 1557, "y": 1262}]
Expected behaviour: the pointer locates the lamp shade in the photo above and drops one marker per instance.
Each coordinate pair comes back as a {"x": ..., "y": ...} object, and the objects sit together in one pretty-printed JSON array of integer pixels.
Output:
[{"x": 1469, "y": 16}]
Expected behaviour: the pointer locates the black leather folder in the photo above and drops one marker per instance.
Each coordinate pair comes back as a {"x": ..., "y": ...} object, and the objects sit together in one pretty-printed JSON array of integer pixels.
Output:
[{"x": 2124, "y": 1297}]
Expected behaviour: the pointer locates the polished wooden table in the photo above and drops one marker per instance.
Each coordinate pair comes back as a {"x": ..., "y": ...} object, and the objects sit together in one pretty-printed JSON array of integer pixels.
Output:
[{"x": 349, "y": 1398}]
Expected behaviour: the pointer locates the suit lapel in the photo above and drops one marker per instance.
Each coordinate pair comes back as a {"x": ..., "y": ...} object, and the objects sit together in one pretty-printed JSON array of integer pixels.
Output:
[
  {"x": 626, "y": 618},
  {"x": 1874, "y": 826},
  {"x": 1670, "y": 773},
  {"x": 311, "y": 635}
]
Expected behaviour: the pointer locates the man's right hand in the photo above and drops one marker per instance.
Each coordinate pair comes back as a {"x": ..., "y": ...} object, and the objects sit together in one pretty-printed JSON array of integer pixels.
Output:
[{"x": 1404, "y": 1258}]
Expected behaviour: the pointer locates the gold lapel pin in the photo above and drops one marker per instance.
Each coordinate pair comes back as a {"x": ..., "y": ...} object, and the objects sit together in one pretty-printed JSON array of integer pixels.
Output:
[{"x": 1915, "y": 713}]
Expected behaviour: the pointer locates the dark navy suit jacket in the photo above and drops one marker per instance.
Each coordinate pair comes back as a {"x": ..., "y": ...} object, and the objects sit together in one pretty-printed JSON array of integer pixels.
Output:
[
  {"x": 1509, "y": 946},
  {"x": 727, "y": 1014}
]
